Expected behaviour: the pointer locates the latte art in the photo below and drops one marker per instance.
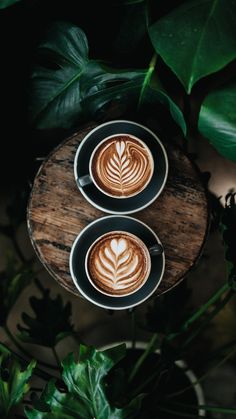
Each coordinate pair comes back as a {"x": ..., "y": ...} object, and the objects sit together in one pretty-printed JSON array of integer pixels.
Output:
[
  {"x": 118, "y": 263},
  {"x": 122, "y": 166}
]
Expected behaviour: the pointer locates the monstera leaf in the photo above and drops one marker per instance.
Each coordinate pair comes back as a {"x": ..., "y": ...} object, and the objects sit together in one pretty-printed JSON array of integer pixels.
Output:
[
  {"x": 85, "y": 396},
  {"x": 13, "y": 382},
  {"x": 217, "y": 120},
  {"x": 153, "y": 91},
  {"x": 51, "y": 321},
  {"x": 73, "y": 86},
  {"x": 196, "y": 39},
  {"x": 7, "y": 3}
]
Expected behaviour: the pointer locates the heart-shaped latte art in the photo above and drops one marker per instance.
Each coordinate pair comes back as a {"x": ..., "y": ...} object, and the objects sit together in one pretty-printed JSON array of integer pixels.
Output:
[{"x": 118, "y": 265}]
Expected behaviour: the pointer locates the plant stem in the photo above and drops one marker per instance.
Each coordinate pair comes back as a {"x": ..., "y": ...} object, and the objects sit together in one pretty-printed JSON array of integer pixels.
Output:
[
  {"x": 147, "y": 78},
  {"x": 24, "y": 351},
  {"x": 205, "y": 307},
  {"x": 198, "y": 313},
  {"x": 180, "y": 414},
  {"x": 56, "y": 357},
  {"x": 158, "y": 371},
  {"x": 219, "y": 364},
  {"x": 144, "y": 355},
  {"x": 218, "y": 409},
  {"x": 211, "y": 315}
]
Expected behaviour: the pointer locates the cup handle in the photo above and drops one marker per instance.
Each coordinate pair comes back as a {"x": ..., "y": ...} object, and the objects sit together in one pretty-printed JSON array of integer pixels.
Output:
[
  {"x": 84, "y": 180},
  {"x": 156, "y": 249}
]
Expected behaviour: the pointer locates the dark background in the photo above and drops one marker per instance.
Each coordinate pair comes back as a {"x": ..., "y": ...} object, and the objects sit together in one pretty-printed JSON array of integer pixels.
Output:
[{"x": 22, "y": 27}]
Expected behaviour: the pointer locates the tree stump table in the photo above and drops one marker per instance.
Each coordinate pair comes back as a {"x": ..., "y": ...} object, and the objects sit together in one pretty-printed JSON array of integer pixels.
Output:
[{"x": 57, "y": 212}]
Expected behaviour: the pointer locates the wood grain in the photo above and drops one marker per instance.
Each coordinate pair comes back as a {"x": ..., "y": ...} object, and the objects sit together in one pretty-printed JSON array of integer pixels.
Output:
[{"x": 57, "y": 212}]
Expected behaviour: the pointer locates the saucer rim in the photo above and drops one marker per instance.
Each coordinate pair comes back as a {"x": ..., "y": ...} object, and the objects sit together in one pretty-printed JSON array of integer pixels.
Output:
[
  {"x": 101, "y": 208},
  {"x": 105, "y": 306}
]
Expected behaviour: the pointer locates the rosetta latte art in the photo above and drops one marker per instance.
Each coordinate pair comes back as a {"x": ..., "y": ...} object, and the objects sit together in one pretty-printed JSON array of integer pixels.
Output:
[
  {"x": 118, "y": 265},
  {"x": 123, "y": 166}
]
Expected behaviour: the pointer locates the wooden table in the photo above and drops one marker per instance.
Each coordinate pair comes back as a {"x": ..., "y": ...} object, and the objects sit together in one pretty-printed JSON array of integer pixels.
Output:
[{"x": 57, "y": 212}]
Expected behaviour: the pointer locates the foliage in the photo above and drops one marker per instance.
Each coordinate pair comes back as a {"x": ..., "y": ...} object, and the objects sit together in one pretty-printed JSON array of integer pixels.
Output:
[
  {"x": 85, "y": 385},
  {"x": 153, "y": 91},
  {"x": 217, "y": 119},
  {"x": 97, "y": 385},
  {"x": 51, "y": 321},
  {"x": 12, "y": 282},
  {"x": 13, "y": 382},
  {"x": 183, "y": 37},
  {"x": 74, "y": 85},
  {"x": 69, "y": 87},
  {"x": 152, "y": 56}
]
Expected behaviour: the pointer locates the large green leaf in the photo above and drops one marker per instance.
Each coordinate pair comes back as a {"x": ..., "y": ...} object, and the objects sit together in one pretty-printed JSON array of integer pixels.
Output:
[
  {"x": 50, "y": 322},
  {"x": 152, "y": 91},
  {"x": 72, "y": 86},
  {"x": 196, "y": 39},
  {"x": 158, "y": 93},
  {"x": 217, "y": 120},
  {"x": 85, "y": 397},
  {"x": 13, "y": 382},
  {"x": 7, "y": 3}
]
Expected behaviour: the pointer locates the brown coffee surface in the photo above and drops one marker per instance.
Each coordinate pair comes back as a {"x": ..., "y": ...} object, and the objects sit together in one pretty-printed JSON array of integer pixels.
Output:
[
  {"x": 118, "y": 263},
  {"x": 122, "y": 166}
]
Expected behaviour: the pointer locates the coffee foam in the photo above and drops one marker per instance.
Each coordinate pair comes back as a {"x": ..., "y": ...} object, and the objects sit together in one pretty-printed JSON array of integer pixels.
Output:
[
  {"x": 122, "y": 166},
  {"x": 118, "y": 264}
]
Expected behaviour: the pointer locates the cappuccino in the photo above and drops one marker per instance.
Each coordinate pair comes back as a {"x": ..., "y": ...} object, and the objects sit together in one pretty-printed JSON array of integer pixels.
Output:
[
  {"x": 122, "y": 166},
  {"x": 118, "y": 263}
]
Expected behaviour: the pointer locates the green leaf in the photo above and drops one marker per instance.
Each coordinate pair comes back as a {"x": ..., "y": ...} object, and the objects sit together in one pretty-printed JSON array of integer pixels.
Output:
[
  {"x": 50, "y": 323},
  {"x": 12, "y": 282},
  {"x": 13, "y": 382},
  {"x": 59, "y": 405},
  {"x": 217, "y": 120},
  {"x": 196, "y": 39},
  {"x": 7, "y": 3},
  {"x": 72, "y": 86},
  {"x": 153, "y": 91},
  {"x": 174, "y": 110},
  {"x": 85, "y": 397},
  {"x": 85, "y": 377}
]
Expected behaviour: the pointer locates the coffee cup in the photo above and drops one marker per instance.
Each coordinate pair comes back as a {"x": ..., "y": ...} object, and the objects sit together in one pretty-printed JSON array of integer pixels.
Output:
[
  {"x": 118, "y": 263},
  {"x": 121, "y": 166},
  {"x": 85, "y": 242},
  {"x": 113, "y": 196}
]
